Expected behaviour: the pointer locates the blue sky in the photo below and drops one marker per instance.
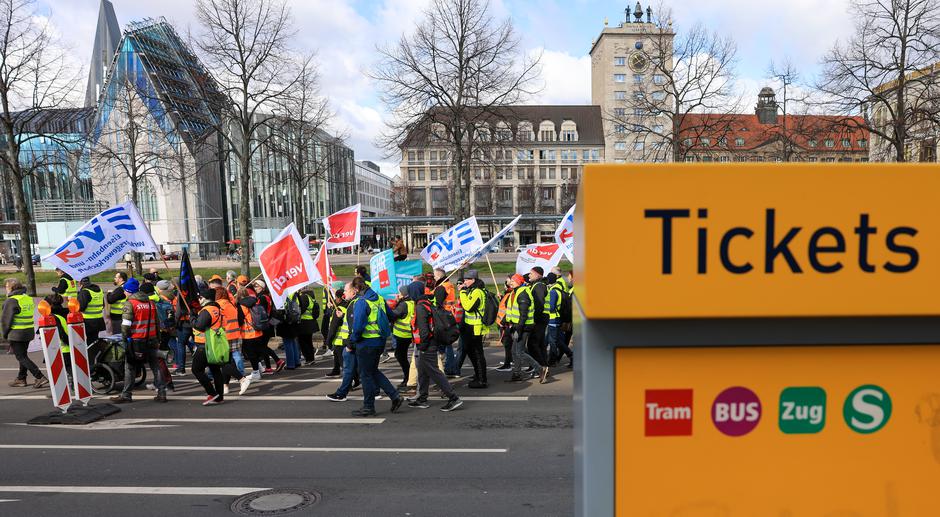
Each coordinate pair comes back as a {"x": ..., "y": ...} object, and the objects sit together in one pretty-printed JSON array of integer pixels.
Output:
[{"x": 345, "y": 33}]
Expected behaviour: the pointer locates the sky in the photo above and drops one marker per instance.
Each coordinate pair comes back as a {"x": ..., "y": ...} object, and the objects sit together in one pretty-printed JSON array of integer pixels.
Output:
[{"x": 345, "y": 33}]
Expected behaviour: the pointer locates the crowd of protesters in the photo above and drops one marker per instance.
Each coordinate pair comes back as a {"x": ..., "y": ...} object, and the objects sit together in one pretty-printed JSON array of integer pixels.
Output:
[{"x": 431, "y": 328}]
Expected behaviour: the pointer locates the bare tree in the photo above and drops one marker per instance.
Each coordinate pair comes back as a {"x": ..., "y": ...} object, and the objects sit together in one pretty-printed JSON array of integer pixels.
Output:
[
  {"x": 689, "y": 72},
  {"x": 449, "y": 76},
  {"x": 887, "y": 72},
  {"x": 34, "y": 76},
  {"x": 133, "y": 146},
  {"x": 299, "y": 134},
  {"x": 244, "y": 43}
]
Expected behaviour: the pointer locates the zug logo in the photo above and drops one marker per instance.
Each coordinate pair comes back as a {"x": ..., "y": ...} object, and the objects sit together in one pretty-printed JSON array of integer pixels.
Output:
[{"x": 826, "y": 244}]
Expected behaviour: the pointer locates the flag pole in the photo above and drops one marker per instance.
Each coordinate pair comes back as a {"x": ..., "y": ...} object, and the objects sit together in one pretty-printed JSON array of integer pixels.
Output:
[{"x": 495, "y": 283}]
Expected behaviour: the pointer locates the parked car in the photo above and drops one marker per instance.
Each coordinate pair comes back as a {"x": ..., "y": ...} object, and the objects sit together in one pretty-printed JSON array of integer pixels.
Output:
[
  {"x": 171, "y": 255},
  {"x": 149, "y": 257},
  {"x": 36, "y": 259},
  {"x": 374, "y": 250}
]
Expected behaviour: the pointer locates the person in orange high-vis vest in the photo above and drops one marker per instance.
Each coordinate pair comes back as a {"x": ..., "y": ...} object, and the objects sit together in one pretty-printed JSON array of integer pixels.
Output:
[
  {"x": 252, "y": 337},
  {"x": 232, "y": 323},
  {"x": 505, "y": 336},
  {"x": 213, "y": 316}
]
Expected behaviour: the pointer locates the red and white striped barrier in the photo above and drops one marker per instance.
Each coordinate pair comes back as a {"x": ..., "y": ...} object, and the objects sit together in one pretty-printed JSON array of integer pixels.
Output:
[
  {"x": 81, "y": 370},
  {"x": 55, "y": 364}
]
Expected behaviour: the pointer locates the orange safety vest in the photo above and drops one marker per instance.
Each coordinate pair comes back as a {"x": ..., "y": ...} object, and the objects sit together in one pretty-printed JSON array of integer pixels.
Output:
[
  {"x": 501, "y": 314},
  {"x": 451, "y": 304},
  {"x": 230, "y": 321},
  {"x": 216, "y": 314},
  {"x": 248, "y": 329},
  {"x": 144, "y": 325}
]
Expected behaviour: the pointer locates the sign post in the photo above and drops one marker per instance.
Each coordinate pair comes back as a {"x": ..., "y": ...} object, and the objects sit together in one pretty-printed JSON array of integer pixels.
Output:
[{"x": 769, "y": 345}]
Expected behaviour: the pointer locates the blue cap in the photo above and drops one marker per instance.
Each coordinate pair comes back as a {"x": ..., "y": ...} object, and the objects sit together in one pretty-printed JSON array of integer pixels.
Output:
[{"x": 132, "y": 285}]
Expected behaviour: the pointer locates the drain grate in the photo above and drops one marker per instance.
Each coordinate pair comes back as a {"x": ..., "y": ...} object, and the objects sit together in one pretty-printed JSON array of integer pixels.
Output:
[{"x": 279, "y": 501}]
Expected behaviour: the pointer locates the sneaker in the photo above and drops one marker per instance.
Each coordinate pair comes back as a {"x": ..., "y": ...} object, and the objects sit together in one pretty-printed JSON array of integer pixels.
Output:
[
  {"x": 528, "y": 369},
  {"x": 18, "y": 383},
  {"x": 310, "y": 362},
  {"x": 321, "y": 351},
  {"x": 119, "y": 399},
  {"x": 178, "y": 373},
  {"x": 41, "y": 382},
  {"x": 396, "y": 404},
  {"x": 355, "y": 386},
  {"x": 150, "y": 386},
  {"x": 477, "y": 385},
  {"x": 363, "y": 412},
  {"x": 543, "y": 375},
  {"x": 385, "y": 357},
  {"x": 256, "y": 375},
  {"x": 161, "y": 397},
  {"x": 244, "y": 383},
  {"x": 453, "y": 376},
  {"x": 516, "y": 378},
  {"x": 225, "y": 389},
  {"x": 420, "y": 404},
  {"x": 402, "y": 385},
  {"x": 452, "y": 404},
  {"x": 268, "y": 370},
  {"x": 333, "y": 375},
  {"x": 336, "y": 398},
  {"x": 211, "y": 400},
  {"x": 504, "y": 367},
  {"x": 279, "y": 365}
]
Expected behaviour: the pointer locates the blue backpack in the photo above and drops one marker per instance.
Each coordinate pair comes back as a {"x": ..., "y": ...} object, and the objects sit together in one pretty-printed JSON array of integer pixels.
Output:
[{"x": 385, "y": 327}]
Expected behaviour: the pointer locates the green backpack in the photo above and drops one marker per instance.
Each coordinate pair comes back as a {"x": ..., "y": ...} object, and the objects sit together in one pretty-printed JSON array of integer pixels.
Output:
[{"x": 217, "y": 349}]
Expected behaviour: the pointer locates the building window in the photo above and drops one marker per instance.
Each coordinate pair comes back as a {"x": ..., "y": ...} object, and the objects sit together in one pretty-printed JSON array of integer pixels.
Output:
[
  {"x": 595, "y": 154},
  {"x": 658, "y": 129},
  {"x": 705, "y": 142},
  {"x": 689, "y": 159},
  {"x": 620, "y": 146},
  {"x": 620, "y": 112},
  {"x": 638, "y": 146},
  {"x": 639, "y": 112},
  {"x": 551, "y": 173},
  {"x": 659, "y": 95},
  {"x": 620, "y": 61},
  {"x": 411, "y": 156},
  {"x": 739, "y": 141},
  {"x": 420, "y": 156},
  {"x": 433, "y": 174},
  {"x": 812, "y": 143},
  {"x": 637, "y": 78},
  {"x": 620, "y": 78},
  {"x": 863, "y": 143},
  {"x": 659, "y": 79},
  {"x": 830, "y": 142},
  {"x": 412, "y": 174},
  {"x": 723, "y": 142},
  {"x": 846, "y": 142},
  {"x": 620, "y": 95},
  {"x": 620, "y": 128},
  {"x": 420, "y": 174},
  {"x": 543, "y": 173},
  {"x": 723, "y": 158}
]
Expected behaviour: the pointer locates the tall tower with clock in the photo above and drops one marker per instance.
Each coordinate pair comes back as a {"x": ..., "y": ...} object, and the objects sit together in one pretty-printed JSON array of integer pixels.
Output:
[{"x": 630, "y": 68}]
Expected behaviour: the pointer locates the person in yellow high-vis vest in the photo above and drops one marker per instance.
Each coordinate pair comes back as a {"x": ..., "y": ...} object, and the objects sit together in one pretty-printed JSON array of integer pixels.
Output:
[
  {"x": 402, "y": 314},
  {"x": 67, "y": 287},
  {"x": 91, "y": 305},
  {"x": 16, "y": 327},
  {"x": 472, "y": 330},
  {"x": 521, "y": 320}
]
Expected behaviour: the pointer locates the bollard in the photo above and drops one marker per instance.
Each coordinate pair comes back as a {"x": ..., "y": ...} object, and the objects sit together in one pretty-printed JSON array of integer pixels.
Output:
[
  {"x": 78, "y": 341},
  {"x": 55, "y": 365}
]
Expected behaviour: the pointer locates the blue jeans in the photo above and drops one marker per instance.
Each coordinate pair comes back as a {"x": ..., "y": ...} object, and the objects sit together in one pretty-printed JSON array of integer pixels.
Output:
[
  {"x": 239, "y": 361},
  {"x": 371, "y": 377},
  {"x": 556, "y": 342},
  {"x": 350, "y": 366},
  {"x": 179, "y": 353},
  {"x": 450, "y": 360},
  {"x": 291, "y": 352}
]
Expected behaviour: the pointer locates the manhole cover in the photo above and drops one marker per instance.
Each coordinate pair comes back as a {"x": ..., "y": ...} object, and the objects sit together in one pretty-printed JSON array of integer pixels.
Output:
[{"x": 274, "y": 502}]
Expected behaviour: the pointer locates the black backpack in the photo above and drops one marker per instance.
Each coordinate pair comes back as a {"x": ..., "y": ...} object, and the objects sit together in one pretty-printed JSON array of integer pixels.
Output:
[
  {"x": 444, "y": 326},
  {"x": 291, "y": 311},
  {"x": 260, "y": 319},
  {"x": 490, "y": 308},
  {"x": 564, "y": 311}
]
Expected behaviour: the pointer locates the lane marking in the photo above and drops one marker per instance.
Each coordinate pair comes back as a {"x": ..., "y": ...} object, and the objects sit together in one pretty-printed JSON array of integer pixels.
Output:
[
  {"x": 135, "y": 490},
  {"x": 204, "y": 448},
  {"x": 143, "y": 423},
  {"x": 270, "y": 398}
]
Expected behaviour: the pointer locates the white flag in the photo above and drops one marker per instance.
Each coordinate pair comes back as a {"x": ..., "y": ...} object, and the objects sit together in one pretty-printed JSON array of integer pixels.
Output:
[
  {"x": 451, "y": 248},
  {"x": 286, "y": 265},
  {"x": 103, "y": 241},
  {"x": 485, "y": 248},
  {"x": 564, "y": 235},
  {"x": 545, "y": 256}
]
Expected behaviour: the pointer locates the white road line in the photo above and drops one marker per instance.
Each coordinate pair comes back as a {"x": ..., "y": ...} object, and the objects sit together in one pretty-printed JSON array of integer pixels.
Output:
[
  {"x": 268, "y": 398},
  {"x": 136, "y": 490},
  {"x": 143, "y": 423},
  {"x": 204, "y": 448}
]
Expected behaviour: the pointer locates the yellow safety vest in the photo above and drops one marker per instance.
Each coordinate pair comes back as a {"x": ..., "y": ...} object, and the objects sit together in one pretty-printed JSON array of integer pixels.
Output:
[
  {"x": 512, "y": 310},
  {"x": 547, "y": 308},
  {"x": 71, "y": 291},
  {"x": 154, "y": 297},
  {"x": 95, "y": 308},
  {"x": 402, "y": 326},
  {"x": 306, "y": 315},
  {"x": 343, "y": 333},
  {"x": 473, "y": 318},
  {"x": 117, "y": 308},
  {"x": 65, "y": 348},
  {"x": 24, "y": 319},
  {"x": 371, "y": 329}
]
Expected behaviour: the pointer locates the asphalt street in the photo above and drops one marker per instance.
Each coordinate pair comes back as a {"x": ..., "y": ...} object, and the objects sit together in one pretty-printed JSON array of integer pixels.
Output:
[{"x": 507, "y": 451}]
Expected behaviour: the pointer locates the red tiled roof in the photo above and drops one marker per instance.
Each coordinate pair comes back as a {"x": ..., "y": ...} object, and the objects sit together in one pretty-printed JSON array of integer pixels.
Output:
[{"x": 799, "y": 128}]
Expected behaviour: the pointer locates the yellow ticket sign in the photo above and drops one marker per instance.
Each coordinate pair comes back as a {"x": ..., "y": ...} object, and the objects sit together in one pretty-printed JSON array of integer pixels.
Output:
[
  {"x": 745, "y": 240},
  {"x": 796, "y": 431}
]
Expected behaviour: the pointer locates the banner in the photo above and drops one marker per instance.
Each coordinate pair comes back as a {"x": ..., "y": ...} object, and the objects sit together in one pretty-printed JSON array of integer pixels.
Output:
[
  {"x": 323, "y": 272},
  {"x": 546, "y": 256},
  {"x": 103, "y": 241},
  {"x": 406, "y": 271},
  {"x": 189, "y": 291},
  {"x": 286, "y": 265},
  {"x": 453, "y": 247},
  {"x": 382, "y": 270},
  {"x": 484, "y": 249},
  {"x": 564, "y": 235},
  {"x": 342, "y": 228}
]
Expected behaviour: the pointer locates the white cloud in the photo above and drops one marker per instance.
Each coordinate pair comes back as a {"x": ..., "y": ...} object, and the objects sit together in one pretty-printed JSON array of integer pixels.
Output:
[{"x": 566, "y": 78}]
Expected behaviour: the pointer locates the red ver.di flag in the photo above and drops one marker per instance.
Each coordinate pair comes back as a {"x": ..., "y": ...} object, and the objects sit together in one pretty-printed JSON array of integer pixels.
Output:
[
  {"x": 322, "y": 272},
  {"x": 286, "y": 265},
  {"x": 342, "y": 228},
  {"x": 546, "y": 256}
]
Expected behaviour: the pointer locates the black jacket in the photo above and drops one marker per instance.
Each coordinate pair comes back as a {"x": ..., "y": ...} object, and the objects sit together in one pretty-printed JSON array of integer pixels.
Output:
[
  {"x": 423, "y": 325},
  {"x": 525, "y": 305},
  {"x": 539, "y": 292},
  {"x": 63, "y": 284}
]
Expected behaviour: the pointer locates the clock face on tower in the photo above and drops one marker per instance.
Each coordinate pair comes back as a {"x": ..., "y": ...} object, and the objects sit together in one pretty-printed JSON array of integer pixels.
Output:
[{"x": 638, "y": 62}]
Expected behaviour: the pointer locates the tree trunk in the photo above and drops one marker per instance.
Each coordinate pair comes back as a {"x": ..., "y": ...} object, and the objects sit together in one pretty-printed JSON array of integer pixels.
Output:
[
  {"x": 244, "y": 204},
  {"x": 26, "y": 247}
]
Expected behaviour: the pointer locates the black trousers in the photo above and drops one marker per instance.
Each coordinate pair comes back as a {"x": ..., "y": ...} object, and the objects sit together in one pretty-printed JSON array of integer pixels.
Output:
[
  {"x": 337, "y": 360},
  {"x": 252, "y": 351},
  {"x": 536, "y": 343},
  {"x": 401, "y": 354},
  {"x": 217, "y": 385},
  {"x": 306, "y": 346},
  {"x": 428, "y": 372},
  {"x": 505, "y": 337},
  {"x": 26, "y": 364},
  {"x": 473, "y": 347},
  {"x": 267, "y": 355}
]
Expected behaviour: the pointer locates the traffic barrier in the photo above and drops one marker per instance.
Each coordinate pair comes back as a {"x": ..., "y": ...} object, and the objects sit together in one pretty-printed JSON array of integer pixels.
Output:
[
  {"x": 78, "y": 341},
  {"x": 55, "y": 364}
]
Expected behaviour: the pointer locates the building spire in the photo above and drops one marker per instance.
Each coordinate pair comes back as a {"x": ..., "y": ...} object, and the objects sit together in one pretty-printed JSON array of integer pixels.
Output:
[{"x": 107, "y": 39}]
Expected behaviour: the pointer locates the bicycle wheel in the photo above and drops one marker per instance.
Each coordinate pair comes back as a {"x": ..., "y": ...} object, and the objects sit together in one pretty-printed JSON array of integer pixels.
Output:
[{"x": 102, "y": 379}]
